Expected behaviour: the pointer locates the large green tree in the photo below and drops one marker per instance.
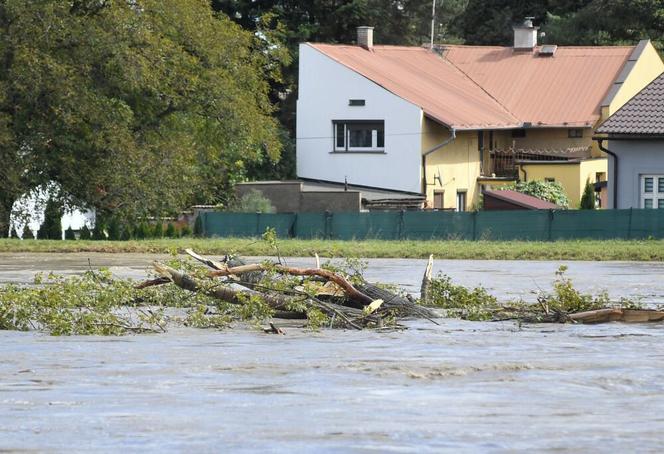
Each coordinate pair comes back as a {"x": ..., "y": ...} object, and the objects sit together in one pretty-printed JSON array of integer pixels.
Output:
[{"x": 134, "y": 107}]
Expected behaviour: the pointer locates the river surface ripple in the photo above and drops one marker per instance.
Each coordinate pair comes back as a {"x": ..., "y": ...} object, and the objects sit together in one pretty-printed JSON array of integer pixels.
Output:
[{"x": 460, "y": 386}]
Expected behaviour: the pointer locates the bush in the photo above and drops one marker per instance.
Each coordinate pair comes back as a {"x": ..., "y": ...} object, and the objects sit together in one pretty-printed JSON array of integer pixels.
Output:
[
  {"x": 85, "y": 233},
  {"x": 253, "y": 202},
  {"x": 185, "y": 231},
  {"x": 69, "y": 234},
  {"x": 27, "y": 233},
  {"x": 114, "y": 229},
  {"x": 142, "y": 231},
  {"x": 588, "y": 197},
  {"x": 126, "y": 233},
  {"x": 51, "y": 229},
  {"x": 158, "y": 230},
  {"x": 171, "y": 232},
  {"x": 551, "y": 191},
  {"x": 98, "y": 233}
]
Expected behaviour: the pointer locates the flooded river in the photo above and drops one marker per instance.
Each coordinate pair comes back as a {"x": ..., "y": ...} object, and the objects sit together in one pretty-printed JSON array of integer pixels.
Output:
[{"x": 461, "y": 386}]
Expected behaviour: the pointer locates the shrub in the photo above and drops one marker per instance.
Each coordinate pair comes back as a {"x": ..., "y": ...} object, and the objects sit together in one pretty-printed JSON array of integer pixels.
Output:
[
  {"x": 85, "y": 233},
  {"x": 171, "y": 232},
  {"x": 588, "y": 197},
  {"x": 51, "y": 229},
  {"x": 126, "y": 233},
  {"x": 142, "y": 231},
  {"x": 551, "y": 191},
  {"x": 98, "y": 231},
  {"x": 114, "y": 229},
  {"x": 69, "y": 234},
  {"x": 158, "y": 230},
  {"x": 185, "y": 231},
  {"x": 253, "y": 202},
  {"x": 27, "y": 233}
]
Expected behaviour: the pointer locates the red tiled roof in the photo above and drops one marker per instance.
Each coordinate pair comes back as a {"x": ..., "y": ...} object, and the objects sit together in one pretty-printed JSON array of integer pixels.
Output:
[
  {"x": 560, "y": 90},
  {"x": 420, "y": 76},
  {"x": 476, "y": 87},
  {"x": 522, "y": 200}
]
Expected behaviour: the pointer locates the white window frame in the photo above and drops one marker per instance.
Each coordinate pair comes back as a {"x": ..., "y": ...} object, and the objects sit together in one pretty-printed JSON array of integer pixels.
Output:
[
  {"x": 374, "y": 148},
  {"x": 655, "y": 195}
]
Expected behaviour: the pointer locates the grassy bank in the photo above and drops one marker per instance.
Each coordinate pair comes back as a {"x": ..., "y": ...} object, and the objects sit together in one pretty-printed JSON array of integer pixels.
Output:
[{"x": 647, "y": 250}]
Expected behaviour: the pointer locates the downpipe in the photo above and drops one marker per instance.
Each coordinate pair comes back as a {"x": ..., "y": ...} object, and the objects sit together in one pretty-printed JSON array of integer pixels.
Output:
[{"x": 600, "y": 142}]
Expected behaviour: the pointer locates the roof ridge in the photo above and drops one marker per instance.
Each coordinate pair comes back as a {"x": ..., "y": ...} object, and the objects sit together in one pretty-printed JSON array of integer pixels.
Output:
[{"x": 481, "y": 88}]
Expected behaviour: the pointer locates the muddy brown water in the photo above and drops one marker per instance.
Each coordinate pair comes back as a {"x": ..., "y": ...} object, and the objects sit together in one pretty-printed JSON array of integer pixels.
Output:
[{"x": 457, "y": 387}]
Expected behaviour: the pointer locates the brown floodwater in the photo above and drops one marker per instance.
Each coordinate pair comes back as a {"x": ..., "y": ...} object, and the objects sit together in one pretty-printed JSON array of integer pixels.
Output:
[{"x": 460, "y": 386}]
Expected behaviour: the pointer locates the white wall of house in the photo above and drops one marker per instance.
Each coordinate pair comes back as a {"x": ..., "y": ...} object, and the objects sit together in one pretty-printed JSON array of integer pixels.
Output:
[
  {"x": 636, "y": 158},
  {"x": 324, "y": 90}
]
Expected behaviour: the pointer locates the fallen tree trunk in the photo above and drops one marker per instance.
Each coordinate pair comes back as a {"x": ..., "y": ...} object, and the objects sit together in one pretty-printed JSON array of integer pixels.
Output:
[{"x": 617, "y": 315}]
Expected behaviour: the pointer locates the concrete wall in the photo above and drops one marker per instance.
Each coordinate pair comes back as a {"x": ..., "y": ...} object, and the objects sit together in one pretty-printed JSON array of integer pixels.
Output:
[
  {"x": 285, "y": 196},
  {"x": 457, "y": 164},
  {"x": 636, "y": 158},
  {"x": 336, "y": 202},
  {"x": 324, "y": 89}
]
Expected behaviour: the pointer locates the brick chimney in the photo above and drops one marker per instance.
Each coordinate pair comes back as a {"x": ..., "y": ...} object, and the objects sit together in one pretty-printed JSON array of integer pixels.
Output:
[
  {"x": 365, "y": 37},
  {"x": 525, "y": 35}
]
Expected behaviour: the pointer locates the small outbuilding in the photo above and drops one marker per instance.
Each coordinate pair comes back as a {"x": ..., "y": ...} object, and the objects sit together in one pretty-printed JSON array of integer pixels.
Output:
[
  {"x": 634, "y": 139},
  {"x": 513, "y": 200}
]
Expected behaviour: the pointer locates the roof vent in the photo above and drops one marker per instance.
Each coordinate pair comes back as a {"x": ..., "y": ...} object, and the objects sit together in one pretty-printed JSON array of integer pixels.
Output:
[
  {"x": 525, "y": 35},
  {"x": 547, "y": 50},
  {"x": 365, "y": 37}
]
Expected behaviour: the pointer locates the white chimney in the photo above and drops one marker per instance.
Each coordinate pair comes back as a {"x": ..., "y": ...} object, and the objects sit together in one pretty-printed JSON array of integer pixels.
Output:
[
  {"x": 525, "y": 35},
  {"x": 365, "y": 37}
]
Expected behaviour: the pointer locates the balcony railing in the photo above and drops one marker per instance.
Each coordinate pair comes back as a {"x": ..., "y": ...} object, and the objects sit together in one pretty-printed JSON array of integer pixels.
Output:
[{"x": 503, "y": 163}]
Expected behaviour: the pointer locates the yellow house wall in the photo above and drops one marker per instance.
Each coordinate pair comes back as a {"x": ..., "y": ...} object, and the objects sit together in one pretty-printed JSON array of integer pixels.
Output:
[
  {"x": 458, "y": 164},
  {"x": 648, "y": 67},
  {"x": 571, "y": 176},
  {"x": 553, "y": 138}
]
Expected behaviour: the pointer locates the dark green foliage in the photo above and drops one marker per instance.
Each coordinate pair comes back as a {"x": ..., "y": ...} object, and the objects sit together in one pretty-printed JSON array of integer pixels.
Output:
[
  {"x": 114, "y": 229},
  {"x": 12, "y": 233},
  {"x": 185, "y": 231},
  {"x": 126, "y": 233},
  {"x": 142, "y": 231},
  {"x": 171, "y": 232},
  {"x": 551, "y": 191},
  {"x": 98, "y": 232},
  {"x": 588, "y": 197},
  {"x": 158, "y": 230},
  {"x": 85, "y": 233},
  {"x": 51, "y": 228},
  {"x": 198, "y": 226},
  {"x": 69, "y": 234}
]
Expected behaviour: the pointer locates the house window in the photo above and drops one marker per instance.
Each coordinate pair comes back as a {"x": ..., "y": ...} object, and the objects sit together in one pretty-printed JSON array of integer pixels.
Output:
[
  {"x": 550, "y": 180},
  {"x": 575, "y": 133},
  {"x": 438, "y": 200},
  {"x": 356, "y": 135},
  {"x": 518, "y": 133},
  {"x": 652, "y": 191},
  {"x": 461, "y": 201},
  {"x": 356, "y": 102}
]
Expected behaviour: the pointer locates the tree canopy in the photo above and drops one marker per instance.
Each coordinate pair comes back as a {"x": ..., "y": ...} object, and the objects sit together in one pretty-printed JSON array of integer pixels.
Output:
[{"x": 134, "y": 107}]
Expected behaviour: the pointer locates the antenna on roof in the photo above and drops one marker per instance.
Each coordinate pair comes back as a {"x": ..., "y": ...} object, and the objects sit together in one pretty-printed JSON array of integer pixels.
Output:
[{"x": 433, "y": 20}]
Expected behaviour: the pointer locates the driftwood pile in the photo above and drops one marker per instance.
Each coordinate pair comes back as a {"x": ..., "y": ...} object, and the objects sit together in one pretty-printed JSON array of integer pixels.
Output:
[{"x": 354, "y": 305}]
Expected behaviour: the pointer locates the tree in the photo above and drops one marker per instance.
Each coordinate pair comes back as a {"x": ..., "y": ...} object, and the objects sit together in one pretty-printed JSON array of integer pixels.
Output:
[
  {"x": 51, "y": 228},
  {"x": 588, "y": 197},
  {"x": 69, "y": 234},
  {"x": 27, "y": 233},
  {"x": 134, "y": 108},
  {"x": 85, "y": 233}
]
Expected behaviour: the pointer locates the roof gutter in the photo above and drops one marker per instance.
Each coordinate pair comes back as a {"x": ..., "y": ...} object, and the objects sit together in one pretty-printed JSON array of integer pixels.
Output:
[
  {"x": 444, "y": 143},
  {"x": 600, "y": 142}
]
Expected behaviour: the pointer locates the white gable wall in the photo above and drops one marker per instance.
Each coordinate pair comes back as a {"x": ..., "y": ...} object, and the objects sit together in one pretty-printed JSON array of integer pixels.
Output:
[{"x": 324, "y": 88}]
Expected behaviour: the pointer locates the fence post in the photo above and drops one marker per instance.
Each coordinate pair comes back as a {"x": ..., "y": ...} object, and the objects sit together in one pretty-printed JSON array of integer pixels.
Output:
[
  {"x": 629, "y": 224},
  {"x": 475, "y": 225},
  {"x": 549, "y": 235},
  {"x": 292, "y": 231},
  {"x": 401, "y": 225}
]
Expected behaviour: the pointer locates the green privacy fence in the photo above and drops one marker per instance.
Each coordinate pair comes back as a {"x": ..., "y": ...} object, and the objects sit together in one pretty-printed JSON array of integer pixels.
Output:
[{"x": 542, "y": 225}]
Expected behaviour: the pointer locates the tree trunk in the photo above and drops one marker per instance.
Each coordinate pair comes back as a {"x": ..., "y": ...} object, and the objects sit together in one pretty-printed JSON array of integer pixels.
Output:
[{"x": 6, "y": 204}]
